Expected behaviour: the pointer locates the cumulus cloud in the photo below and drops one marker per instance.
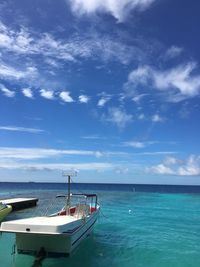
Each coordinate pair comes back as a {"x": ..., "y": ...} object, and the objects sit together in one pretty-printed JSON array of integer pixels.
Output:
[
  {"x": 27, "y": 92},
  {"x": 103, "y": 100},
  {"x": 83, "y": 99},
  {"x": 175, "y": 166},
  {"x": 121, "y": 170},
  {"x": 118, "y": 9},
  {"x": 7, "y": 92},
  {"x": 157, "y": 118},
  {"x": 141, "y": 116},
  {"x": 65, "y": 96},
  {"x": 119, "y": 117},
  {"x": 175, "y": 84},
  {"x": 48, "y": 94}
]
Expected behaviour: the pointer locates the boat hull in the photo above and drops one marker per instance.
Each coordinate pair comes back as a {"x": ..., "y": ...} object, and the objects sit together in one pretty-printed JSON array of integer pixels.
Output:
[{"x": 55, "y": 244}]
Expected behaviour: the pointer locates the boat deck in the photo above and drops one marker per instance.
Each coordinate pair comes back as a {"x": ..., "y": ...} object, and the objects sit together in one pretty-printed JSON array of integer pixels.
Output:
[{"x": 42, "y": 225}]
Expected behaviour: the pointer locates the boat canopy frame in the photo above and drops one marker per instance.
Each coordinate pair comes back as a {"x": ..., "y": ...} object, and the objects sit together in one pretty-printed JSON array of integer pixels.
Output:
[{"x": 87, "y": 196}]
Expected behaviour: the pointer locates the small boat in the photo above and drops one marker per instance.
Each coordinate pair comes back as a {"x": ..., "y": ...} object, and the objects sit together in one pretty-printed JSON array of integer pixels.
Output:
[
  {"x": 60, "y": 233},
  {"x": 4, "y": 210}
]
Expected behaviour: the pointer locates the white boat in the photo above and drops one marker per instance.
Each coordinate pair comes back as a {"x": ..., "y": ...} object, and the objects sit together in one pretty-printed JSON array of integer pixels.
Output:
[
  {"x": 4, "y": 210},
  {"x": 59, "y": 233}
]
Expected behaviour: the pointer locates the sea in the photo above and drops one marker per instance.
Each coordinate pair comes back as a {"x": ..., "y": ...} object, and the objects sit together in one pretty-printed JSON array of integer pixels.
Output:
[{"x": 138, "y": 226}]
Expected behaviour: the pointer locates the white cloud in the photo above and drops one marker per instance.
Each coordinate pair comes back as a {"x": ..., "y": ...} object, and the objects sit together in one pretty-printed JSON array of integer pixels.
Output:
[
  {"x": 134, "y": 144},
  {"x": 90, "y": 166},
  {"x": 141, "y": 117},
  {"x": 161, "y": 169},
  {"x": 103, "y": 100},
  {"x": 12, "y": 73},
  {"x": 7, "y": 92},
  {"x": 83, "y": 99},
  {"x": 39, "y": 153},
  {"x": 20, "y": 129},
  {"x": 137, "y": 144},
  {"x": 157, "y": 118},
  {"x": 93, "y": 137},
  {"x": 27, "y": 92},
  {"x": 156, "y": 153},
  {"x": 48, "y": 94},
  {"x": 55, "y": 51},
  {"x": 118, "y": 9},
  {"x": 175, "y": 166},
  {"x": 118, "y": 117},
  {"x": 137, "y": 98},
  {"x": 173, "y": 51},
  {"x": 122, "y": 170},
  {"x": 171, "y": 161},
  {"x": 175, "y": 84},
  {"x": 65, "y": 96}
]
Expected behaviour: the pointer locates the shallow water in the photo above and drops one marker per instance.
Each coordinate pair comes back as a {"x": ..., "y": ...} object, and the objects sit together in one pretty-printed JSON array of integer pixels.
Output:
[{"x": 134, "y": 230}]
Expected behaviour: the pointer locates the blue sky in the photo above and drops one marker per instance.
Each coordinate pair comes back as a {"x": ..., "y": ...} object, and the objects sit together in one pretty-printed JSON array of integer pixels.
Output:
[{"x": 108, "y": 88}]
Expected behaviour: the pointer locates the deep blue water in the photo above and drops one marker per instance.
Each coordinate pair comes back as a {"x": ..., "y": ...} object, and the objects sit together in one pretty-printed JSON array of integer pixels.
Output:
[
  {"x": 108, "y": 187},
  {"x": 139, "y": 226}
]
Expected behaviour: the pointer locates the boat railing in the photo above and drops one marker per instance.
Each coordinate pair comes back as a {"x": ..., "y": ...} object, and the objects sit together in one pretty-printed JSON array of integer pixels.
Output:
[{"x": 80, "y": 205}]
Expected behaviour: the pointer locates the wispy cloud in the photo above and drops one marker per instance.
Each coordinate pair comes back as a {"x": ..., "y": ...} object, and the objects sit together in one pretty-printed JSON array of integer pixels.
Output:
[
  {"x": 137, "y": 98},
  {"x": 138, "y": 144},
  {"x": 118, "y": 9},
  {"x": 27, "y": 92},
  {"x": 7, "y": 92},
  {"x": 157, "y": 153},
  {"x": 93, "y": 137},
  {"x": 173, "y": 51},
  {"x": 175, "y": 166},
  {"x": 21, "y": 129},
  {"x": 48, "y": 94},
  {"x": 9, "y": 72},
  {"x": 55, "y": 51},
  {"x": 175, "y": 84},
  {"x": 83, "y": 99},
  {"x": 119, "y": 117},
  {"x": 90, "y": 166},
  {"x": 39, "y": 153}
]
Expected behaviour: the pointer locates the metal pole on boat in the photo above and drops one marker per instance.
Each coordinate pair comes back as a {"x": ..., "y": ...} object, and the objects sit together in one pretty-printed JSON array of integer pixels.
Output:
[
  {"x": 68, "y": 197},
  {"x": 69, "y": 174}
]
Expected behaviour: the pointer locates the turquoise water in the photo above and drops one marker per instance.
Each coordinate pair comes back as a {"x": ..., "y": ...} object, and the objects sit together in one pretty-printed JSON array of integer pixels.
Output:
[{"x": 134, "y": 230}]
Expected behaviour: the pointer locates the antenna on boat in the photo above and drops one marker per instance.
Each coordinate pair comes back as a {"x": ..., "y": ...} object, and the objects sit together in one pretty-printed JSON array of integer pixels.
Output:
[{"x": 69, "y": 174}]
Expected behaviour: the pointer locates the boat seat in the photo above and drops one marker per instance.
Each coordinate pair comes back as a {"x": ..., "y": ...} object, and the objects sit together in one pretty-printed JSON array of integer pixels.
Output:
[{"x": 82, "y": 210}]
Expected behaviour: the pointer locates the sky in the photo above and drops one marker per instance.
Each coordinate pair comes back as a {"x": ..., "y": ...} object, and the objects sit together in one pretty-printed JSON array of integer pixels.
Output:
[{"x": 107, "y": 88}]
